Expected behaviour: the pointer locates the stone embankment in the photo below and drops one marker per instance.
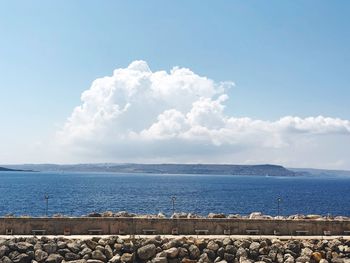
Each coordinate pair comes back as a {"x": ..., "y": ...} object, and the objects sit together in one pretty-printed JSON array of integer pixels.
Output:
[
  {"x": 254, "y": 215},
  {"x": 172, "y": 250}
]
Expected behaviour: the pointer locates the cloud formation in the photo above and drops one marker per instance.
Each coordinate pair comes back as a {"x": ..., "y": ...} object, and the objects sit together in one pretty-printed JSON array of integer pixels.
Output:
[{"x": 145, "y": 116}]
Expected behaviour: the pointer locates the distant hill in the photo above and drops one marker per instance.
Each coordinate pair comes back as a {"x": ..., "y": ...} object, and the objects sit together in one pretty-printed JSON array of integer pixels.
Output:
[
  {"x": 3, "y": 169},
  {"x": 223, "y": 169},
  {"x": 320, "y": 172}
]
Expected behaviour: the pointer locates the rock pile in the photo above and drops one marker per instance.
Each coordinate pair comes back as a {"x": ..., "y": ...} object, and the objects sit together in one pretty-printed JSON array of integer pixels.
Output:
[{"x": 175, "y": 250}]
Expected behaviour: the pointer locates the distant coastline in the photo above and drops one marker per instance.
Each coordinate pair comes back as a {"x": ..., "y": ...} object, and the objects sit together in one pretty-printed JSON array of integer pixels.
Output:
[
  {"x": 210, "y": 169},
  {"x": 206, "y": 169}
]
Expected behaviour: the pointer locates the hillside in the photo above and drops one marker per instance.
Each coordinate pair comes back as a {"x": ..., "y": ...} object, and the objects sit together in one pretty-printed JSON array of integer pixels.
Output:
[{"x": 223, "y": 169}]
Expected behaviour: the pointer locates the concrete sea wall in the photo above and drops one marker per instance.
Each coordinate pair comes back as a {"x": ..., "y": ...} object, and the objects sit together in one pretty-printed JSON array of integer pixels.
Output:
[{"x": 184, "y": 226}]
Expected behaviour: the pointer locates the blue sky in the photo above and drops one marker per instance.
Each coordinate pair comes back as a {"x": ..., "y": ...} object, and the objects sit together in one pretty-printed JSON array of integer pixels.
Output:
[{"x": 286, "y": 58}]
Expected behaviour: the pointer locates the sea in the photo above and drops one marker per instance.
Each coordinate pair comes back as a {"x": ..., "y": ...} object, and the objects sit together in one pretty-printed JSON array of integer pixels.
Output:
[{"x": 77, "y": 194}]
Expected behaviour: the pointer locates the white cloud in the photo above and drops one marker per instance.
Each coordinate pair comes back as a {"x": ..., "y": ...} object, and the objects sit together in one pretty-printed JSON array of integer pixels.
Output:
[{"x": 140, "y": 115}]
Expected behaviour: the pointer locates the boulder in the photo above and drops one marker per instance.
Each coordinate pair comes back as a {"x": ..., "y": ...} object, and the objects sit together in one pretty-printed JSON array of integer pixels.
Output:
[
  {"x": 127, "y": 258},
  {"x": 4, "y": 250},
  {"x": 54, "y": 258},
  {"x": 146, "y": 252},
  {"x": 213, "y": 215},
  {"x": 172, "y": 252},
  {"x": 40, "y": 255},
  {"x": 97, "y": 254},
  {"x": 21, "y": 258},
  {"x": 115, "y": 259},
  {"x": 194, "y": 252},
  {"x": 212, "y": 246}
]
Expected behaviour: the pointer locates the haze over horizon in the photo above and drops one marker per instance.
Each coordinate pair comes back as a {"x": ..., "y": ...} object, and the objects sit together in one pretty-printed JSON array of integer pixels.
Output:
[{"x": 235, "y": 83}]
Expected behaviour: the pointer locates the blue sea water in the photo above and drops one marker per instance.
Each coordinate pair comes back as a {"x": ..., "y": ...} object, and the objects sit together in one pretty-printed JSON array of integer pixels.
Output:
[{"x": 22, "y": 193}]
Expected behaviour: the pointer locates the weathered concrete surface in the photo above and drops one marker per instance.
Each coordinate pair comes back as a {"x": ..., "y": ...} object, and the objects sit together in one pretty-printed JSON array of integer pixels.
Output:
[{"x": 214, "y": 226}]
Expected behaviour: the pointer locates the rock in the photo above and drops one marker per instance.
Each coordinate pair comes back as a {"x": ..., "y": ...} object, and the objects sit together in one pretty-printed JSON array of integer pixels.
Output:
[
  {"x": 313, "y": 217},
  {"x": 306, "y": 252},
  {"x": 124, "y": 214},
  {"x": 97, "y": 254},
  {"x": 5, "y": 259},
  {"x": 212, "y": 215},
  {"x": 294, "y": 246},
  {"x": 71, "y": 256},
  {"x": 303, "y": 259},
  {"x": 213, "y": 246},
  {"x": 179, "y": 215},
  {"x": 255, "y": 215},
  {"x": 40, "y": 255},
  {"x": 94, "y": 214},
  {"x": 161, "y": 215},
  {"x": 241, "y": 252},
  {"x": 54, "y": 258},
  {"x": 316, "y": 256},
  {"x": 63, "y": 251},
  {"x": 194, "y": 252},
  {"x": 172, "y": 252},
  {"x": 91, "y": 244},
  {"x": 160, "y": 260},
  {"x": 229, "y": 257},
  {"x": 108, "y": 252},
  {"x": 4, "y": 250},
  {"x": 21, "y": 258},
  {"x": 186, "y": 260},
  {"x": 85, "y": 251},
  {"x": 220, "y": 252},
  {"x": 146, "y": 252},
  {"x": 94, "y": 261},
  {"x": 50, "y": 248},
  {"x": 23, "y": 247},
  {"x": 115, "y": 259},
  {"x": 61, "y": 244},
  {"x": 78, "y": 261},
  {"x": 126, "y": 257},
  {"x": 323, "y": 261},
  {"x": 183, "y": 252}
]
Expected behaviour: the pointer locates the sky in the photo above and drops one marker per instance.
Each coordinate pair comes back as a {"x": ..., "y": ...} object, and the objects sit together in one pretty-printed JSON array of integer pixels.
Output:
[{"x": 175, "y": 81}]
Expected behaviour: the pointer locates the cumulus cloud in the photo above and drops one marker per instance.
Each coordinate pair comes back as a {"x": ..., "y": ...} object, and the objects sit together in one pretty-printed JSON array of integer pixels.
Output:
[{"x": 140, "y": 115}]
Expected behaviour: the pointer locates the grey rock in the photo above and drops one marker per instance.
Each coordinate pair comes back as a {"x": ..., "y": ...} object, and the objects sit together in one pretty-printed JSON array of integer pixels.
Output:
[
  {"x": 194, "y": 252},
  {"x": 21, "y": 258},
  {"x": 91, "y": 244},
  {"x": 241, "y": 252},
  {"x": 303, "y": 259},
  {"x": 74, "y": 247},
  {"x": 50, "y": 248},
  {"x": 23, "y": 247},
  {"x": 127, "y": 258},
  {"x": 40, "y": 255},
  {"x": 212, "y": 245},
  {"x": 160, "y": 260},
  {"x": 71, "y": 256},
  {"x": 172, "y": 252},
  {"x": 229, "y": 257},
  {"x": 230, "y": 249},
  {"x": 221, "y": 252},
  {"x": 115, "y": 259},
  {"x": 97, "y": 254},
  {"x": 108, "y": 252},
  {"x": 54, "y": 258},
  {"x": 94, "y": 261},
  {"x": 4, "y": 250},
  {"x": 63, "y": 251},
  {"x": 146, "y": 252},
  {"x": 183, "y": 252},
  {"x": 5, "y": 259}
]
